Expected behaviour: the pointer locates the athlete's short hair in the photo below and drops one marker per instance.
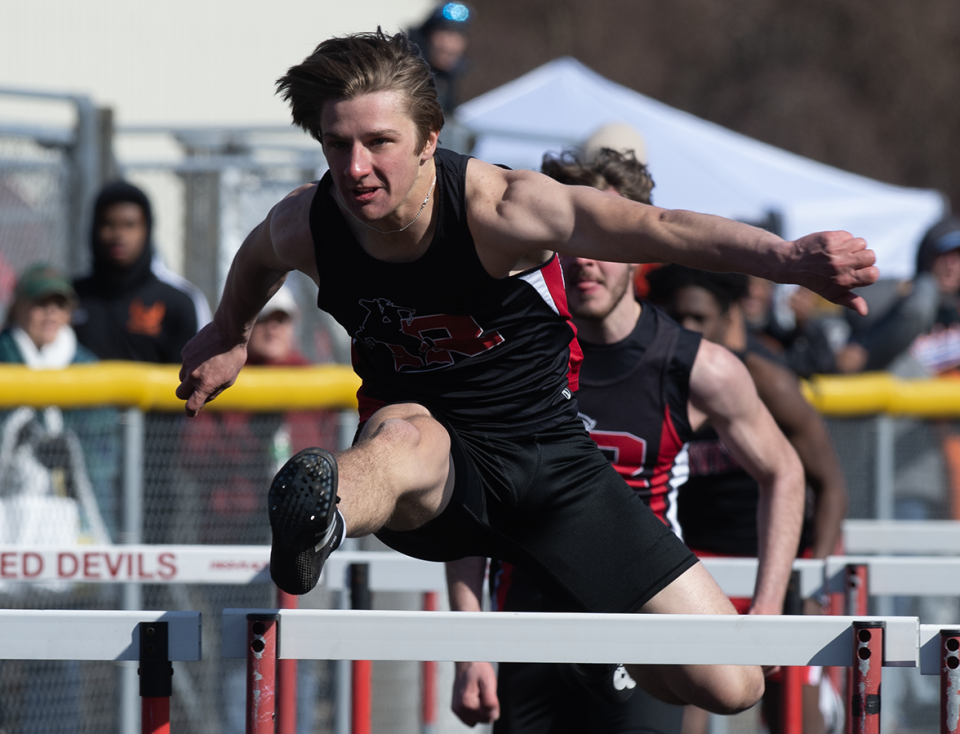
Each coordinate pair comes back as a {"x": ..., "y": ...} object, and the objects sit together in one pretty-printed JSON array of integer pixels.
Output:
[
  {"x": 358, "y": 64},
  {"x": 726, "y": 288},
  {"x": 607, "y": 168}
]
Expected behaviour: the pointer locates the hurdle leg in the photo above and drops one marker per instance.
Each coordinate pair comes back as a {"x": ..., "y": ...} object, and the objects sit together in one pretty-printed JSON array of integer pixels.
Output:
[
  {"x": 428, "y": 716},
  {"x": 156, "y": 672},
  {"x": 855, "y": 604},
  {"x": 261, "y": 673},
  {"x": 362, "y": 670},
  {"x": 286, "y": 679},
  {"x": 864, "y": 716},
  {"x": 857, "y": 590},
  {"x": 949, "y": 681},
  {"x": 791, "y": 694}
]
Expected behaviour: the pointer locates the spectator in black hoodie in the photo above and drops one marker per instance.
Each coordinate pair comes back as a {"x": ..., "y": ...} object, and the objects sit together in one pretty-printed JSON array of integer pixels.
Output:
[{"x": 131, "y": 306}]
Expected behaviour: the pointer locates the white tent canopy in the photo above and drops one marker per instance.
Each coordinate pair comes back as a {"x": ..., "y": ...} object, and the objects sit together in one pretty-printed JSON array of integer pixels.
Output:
[{"x": 698, "y": 165}]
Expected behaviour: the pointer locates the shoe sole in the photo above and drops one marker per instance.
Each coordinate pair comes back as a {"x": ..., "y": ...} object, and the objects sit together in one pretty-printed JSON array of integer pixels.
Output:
[{"x": 302, "y": 507}]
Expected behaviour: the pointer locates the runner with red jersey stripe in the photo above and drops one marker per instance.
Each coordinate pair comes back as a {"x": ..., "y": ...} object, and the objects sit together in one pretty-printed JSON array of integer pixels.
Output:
[
  {"x": 440, "y": 267},
  {"x": 646, "y": 386}
]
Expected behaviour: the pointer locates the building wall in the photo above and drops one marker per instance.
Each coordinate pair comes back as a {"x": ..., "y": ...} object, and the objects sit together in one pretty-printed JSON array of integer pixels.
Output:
[{"x": 177, "y": 62}]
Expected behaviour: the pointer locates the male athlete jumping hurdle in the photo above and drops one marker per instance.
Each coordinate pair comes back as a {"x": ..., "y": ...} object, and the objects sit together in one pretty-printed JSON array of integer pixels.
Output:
[{"x": 444, "y": 270}]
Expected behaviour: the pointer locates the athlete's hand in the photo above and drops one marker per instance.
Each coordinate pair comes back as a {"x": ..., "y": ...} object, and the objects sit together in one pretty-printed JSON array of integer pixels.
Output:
[
  {"x": 832, "y": 264},
  {"x": 475, "y": 694},
  {"x": 211, "y": 364}
]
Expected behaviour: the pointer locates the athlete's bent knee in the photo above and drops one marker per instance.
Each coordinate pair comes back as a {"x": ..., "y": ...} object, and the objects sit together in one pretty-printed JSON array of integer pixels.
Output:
[{"x": 738, "y": 691}]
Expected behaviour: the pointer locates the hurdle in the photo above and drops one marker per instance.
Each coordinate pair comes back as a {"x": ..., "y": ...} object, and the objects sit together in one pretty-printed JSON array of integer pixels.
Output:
[
  {"x": 585, "y": 638},
  {"x": 154, "y": 639},
  {"x": 389, "y": 571}
]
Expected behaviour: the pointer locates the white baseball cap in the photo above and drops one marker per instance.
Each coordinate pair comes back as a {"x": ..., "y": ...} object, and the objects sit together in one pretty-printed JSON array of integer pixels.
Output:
[
  {"x": 282, "y": 300},
  {"x": 619, "y": 136}
]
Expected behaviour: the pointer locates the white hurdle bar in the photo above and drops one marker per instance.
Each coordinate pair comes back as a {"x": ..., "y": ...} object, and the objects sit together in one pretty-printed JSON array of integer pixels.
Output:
[
  {"x": 585, "y": 638},
  {"x": 153, "y": 639},
  {"x": 904, "y": 575},
  {"x": 58, "y": 634},
  {"x": 892, "y": 537}
]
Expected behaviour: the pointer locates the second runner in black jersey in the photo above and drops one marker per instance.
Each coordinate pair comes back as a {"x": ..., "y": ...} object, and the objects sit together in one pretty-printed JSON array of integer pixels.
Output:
[{"x": 633, "y": 401}]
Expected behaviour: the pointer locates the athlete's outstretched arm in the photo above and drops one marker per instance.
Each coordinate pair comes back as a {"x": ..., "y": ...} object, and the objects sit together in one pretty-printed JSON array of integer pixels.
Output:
[
  {"x": 722, "y": 390},
  {"x": 804, "y": 428},
  {"x": 515, "y": 213},
  {"x": 281, "y": 243},
  {"x": 475, "y": 683}
]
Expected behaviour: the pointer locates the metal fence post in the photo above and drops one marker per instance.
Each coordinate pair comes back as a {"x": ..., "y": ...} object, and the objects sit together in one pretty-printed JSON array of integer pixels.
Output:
[
  {"x": 884, "y": 468},
  {"x": 131, "y": 534},
  {"x": 85, "y": 155}
]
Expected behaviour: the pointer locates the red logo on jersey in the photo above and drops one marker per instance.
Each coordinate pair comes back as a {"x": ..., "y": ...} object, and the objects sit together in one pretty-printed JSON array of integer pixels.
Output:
[
  {"x": 626, "y": 452},
  {"x": 422, "y": 342}
]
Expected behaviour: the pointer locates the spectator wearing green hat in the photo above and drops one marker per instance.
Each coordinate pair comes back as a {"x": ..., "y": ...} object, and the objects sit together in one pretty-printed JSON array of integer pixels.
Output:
[{"x": 38, "y": 332}]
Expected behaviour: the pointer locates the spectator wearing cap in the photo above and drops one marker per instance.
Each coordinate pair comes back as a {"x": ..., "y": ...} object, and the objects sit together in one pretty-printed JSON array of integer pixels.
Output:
[
  {"x": 38, "y": 335},
  {"x": 917, "y": 332},
  {"x": 443, "y": 40},
  {"x": 938, "y": 350},
  {"x": 273, "y": 339},
  {"x": 38, "y": 332},
  {"x": 230, "y": 455}
]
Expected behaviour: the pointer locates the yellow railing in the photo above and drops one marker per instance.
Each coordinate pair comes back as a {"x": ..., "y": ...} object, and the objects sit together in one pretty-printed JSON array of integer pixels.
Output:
[
  {"x": 151, "y": 387},
  {"x": 261, "y": 389},
  {"x": 879, "y": 392}
]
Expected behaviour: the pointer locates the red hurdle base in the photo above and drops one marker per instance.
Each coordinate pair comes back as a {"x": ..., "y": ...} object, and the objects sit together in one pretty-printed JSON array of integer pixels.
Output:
[
  {"x": 428, "y": 714},
  {"x": 949, "y": 681},
  {"x": 286, "y": 679},
  {"x": 791, "y": 714},
  {"x": 155, "y": 715},
  {"x": 261, "y": 673},
  {"x": 865, "y": 676}
]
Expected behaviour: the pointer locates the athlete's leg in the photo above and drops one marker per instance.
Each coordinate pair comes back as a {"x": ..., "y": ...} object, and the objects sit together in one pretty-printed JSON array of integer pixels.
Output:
[
  {"x": 813, "y": 722},
  {"x": 722, "y": 689},
  {"x": 535, "y": 699},
  {"x": 398, "y": 475},
  {"x": 640, "y": 714}
]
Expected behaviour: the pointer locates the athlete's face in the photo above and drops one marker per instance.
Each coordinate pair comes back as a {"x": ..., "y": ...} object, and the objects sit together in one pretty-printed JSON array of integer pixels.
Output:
[
  {"x": 123, "y": 233},
  {"x": 42, "y": 319},
  {"x": 595, "y": 287},
  {"x": 696, "y": 309},
  {"x": 370, "y": 143}
]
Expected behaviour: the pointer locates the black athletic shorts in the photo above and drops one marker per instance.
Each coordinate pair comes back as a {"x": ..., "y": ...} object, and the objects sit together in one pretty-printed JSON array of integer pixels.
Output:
[
  {"x": 536, "y": 698},
  {"x": 552, "y": 505}
]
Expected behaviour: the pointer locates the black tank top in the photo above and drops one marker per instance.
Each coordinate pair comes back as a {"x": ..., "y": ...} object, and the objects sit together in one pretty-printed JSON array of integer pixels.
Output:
[
  {"x": 633, "y": 400},
  {"x": 488, "y": 354}
]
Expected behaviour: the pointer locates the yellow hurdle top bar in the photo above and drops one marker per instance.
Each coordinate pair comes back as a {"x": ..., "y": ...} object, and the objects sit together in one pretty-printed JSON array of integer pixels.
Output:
[
  {"x": 265, "y": 389},
  {"x": 152, "y": 387}
]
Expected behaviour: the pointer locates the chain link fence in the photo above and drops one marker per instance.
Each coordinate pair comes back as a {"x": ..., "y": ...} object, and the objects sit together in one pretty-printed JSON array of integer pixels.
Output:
[{"x": 34, "y": 195}]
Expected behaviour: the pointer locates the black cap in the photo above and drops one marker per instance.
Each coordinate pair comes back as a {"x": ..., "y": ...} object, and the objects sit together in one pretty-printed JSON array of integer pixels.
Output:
[{"x": 453, "y": 16}]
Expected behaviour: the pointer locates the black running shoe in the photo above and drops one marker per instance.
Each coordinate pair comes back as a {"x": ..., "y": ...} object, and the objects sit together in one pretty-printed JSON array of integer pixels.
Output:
[
  {"x": 304, "y": 519},
  {"x": 607, "y": 681}
]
